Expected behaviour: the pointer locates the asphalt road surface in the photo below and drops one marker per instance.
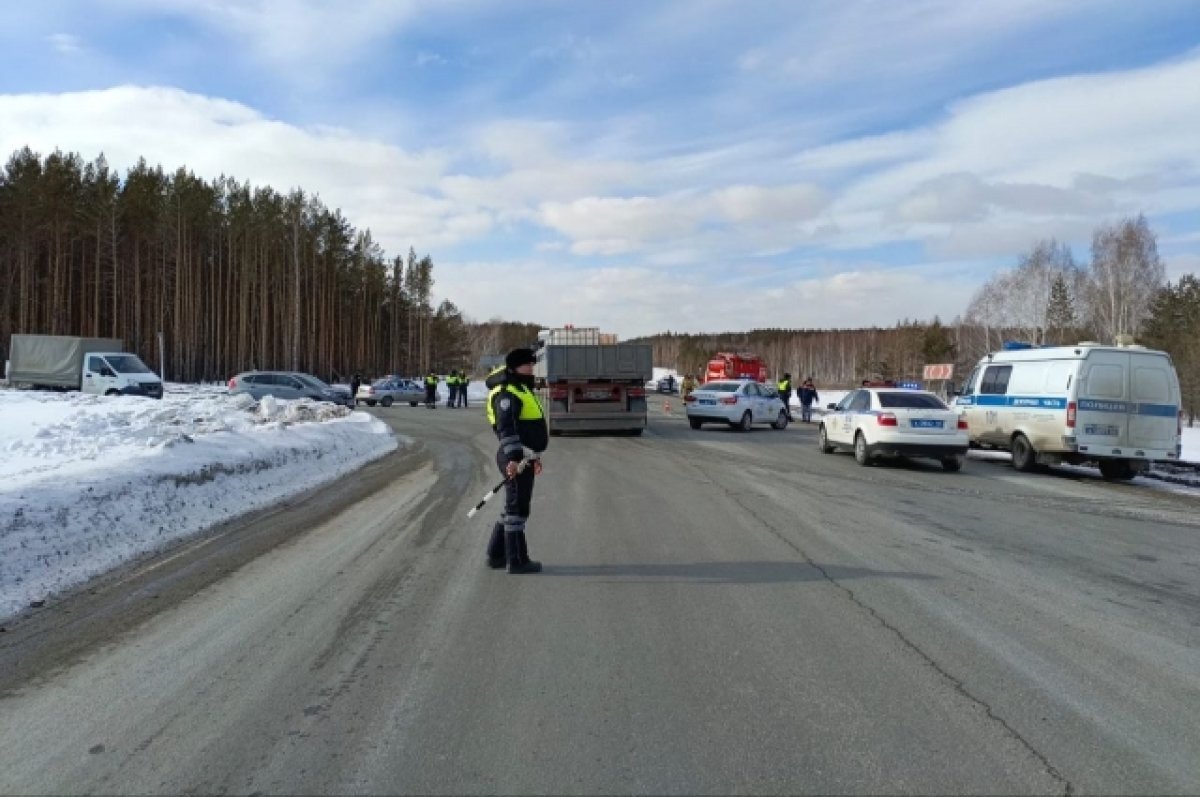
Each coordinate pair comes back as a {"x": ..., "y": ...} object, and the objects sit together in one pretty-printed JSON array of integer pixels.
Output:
[{"x": 720, "y": 612}]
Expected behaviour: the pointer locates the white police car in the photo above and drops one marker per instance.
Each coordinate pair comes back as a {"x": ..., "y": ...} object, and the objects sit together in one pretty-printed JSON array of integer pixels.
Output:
[
  {"x": 892, "y": 422},
  {"x": 739, "y": 403}
]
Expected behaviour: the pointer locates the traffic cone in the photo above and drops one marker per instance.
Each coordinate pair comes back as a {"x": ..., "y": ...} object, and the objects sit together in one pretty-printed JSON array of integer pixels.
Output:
[{"x": 667, "y": 407}]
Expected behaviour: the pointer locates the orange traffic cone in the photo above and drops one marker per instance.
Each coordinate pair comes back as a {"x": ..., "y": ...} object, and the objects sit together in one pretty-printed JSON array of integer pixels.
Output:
[{"x": 667, "y": 407}]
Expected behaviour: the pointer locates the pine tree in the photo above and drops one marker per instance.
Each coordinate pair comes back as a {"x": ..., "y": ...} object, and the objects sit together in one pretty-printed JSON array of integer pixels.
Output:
[{"x": 1060, "y": 312}]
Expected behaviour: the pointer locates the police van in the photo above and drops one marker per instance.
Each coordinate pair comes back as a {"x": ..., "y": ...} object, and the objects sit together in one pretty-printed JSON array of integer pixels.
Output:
[{"x": 1115, "y": 406}]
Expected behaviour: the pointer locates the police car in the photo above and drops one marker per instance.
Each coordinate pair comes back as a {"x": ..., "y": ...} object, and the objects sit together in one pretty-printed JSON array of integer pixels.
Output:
[
  {"x": 1115, "y": 406},
  {"x": 875, "y": 422},
  {"x": 739, "y": 403}
]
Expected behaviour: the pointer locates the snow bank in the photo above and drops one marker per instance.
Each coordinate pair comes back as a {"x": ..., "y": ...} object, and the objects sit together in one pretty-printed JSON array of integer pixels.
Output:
[{"x": 90, "y": 482}]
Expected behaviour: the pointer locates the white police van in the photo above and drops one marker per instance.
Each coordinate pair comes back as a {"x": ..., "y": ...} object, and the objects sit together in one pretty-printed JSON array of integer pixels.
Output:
[{"x": 1117, "y": 407}]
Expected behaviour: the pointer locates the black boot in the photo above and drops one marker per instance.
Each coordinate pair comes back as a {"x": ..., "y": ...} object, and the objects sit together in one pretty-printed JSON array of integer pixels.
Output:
[
  {"x": 495, "y": 548},
  {"x": 512, "y": 546},
  {"x": 533, "y": 567}
]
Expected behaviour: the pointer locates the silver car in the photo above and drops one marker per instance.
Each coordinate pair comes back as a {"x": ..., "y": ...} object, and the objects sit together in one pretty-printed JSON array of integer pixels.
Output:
[
  {"x": 389, "y": 390},
  {"x": 740, "y": 403},
  {"x": 287, "y": 385}
]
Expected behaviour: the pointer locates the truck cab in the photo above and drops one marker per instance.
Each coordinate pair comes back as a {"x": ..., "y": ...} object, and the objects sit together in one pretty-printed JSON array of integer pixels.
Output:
[{"x": 118, "y": 373}]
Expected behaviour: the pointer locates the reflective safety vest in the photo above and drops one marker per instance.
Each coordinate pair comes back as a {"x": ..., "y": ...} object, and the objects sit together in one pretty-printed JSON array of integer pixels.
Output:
[
  {"x": 531, "y": 408},
  {"x": 785, "y": 385},
  {"x": 431, "y": 380}
]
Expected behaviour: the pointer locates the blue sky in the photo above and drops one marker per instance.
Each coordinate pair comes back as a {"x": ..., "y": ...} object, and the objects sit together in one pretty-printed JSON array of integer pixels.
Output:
[{"x": 691, "y": 166}]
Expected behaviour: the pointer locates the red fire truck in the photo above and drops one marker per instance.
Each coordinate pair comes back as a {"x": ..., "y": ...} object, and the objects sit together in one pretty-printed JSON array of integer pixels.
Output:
[{"x": 739, "y": 365}]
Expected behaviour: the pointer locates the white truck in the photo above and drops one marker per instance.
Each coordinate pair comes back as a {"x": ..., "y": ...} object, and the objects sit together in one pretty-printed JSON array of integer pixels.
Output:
[
  {"x": 92, "y": 365},
  {"x": 591, "y": 383},
  {"x": 1115, "y": 406}
]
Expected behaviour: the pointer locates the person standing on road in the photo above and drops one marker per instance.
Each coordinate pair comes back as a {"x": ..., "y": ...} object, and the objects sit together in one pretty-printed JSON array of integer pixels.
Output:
[
  {"x": 784, "y": 386},
  {"x": 520, "y": 425},
  {"x": 451, "y": 388},
  {"x": 431, "y": 383},
  {"x": 463, "y": 381},
  {"x": 808, "y": 394},
  {"x": 355, "y": 382},
  {"x": 687, "y": 386}
]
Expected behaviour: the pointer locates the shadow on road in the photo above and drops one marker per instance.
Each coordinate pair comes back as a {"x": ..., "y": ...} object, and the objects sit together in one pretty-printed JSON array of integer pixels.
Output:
[{"x": 726, "y": 572}]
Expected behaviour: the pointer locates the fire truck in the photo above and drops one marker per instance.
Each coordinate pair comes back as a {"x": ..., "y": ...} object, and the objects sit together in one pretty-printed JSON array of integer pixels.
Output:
[{"x": 739, "y": 365}]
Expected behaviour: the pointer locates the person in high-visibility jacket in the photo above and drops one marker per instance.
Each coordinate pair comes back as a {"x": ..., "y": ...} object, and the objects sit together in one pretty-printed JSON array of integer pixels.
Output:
[
  {"x": 452, "y": 388},
  {"x": 517, "y": 417},
  {"x": 431, "y": 383},
  {"x": 784, "y": 386}
]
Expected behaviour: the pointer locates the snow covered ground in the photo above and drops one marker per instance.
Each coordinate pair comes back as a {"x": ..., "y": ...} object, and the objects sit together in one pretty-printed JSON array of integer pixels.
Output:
[{"x": 88, "y": 482}]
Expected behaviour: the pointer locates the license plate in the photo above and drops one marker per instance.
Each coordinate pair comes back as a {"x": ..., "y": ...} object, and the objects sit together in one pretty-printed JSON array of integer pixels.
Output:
[
  {"x": 708, "y": 401},
  {"x": 921, "y": 423},
  {"x": 1102, "y": 431},
  {"x": 597, "y": 395}
]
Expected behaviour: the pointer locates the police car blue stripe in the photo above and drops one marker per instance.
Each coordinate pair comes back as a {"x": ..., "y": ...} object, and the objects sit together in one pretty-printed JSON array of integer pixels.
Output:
[
  {"x": 1026, "y": 402},
  {"x": 1085, "y": 405},
  {"x": 1097, "y": 405}
]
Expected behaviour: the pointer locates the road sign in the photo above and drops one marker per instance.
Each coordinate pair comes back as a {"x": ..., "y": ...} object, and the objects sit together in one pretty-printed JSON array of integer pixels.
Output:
[{"x": 944, "y": 371}]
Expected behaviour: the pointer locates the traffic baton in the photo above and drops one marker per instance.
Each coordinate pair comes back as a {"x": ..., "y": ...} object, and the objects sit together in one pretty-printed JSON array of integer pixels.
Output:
[{"x": 498, "y": 487}]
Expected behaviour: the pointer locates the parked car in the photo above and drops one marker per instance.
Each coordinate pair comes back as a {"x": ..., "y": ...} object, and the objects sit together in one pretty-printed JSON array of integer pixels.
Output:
[
  {"x": 740, "y": 404},
  {"x": 287, "y": 385},
  {"x": 875, "y": 422},
  {"x": 389, "y": 390},
  {"x": 667, "y": 384}
]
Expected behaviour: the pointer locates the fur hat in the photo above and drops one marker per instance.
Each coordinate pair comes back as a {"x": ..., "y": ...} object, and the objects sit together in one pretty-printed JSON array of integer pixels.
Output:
[{"x": 518, "y": 357}]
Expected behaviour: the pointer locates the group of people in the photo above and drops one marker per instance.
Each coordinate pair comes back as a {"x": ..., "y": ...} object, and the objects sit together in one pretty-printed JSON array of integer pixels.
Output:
[{"x": 807, "y": 395}]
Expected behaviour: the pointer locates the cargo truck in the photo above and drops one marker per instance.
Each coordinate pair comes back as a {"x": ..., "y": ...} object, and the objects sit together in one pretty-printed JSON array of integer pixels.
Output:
[
  {"x": 92, "y": 365},
  {"x": 591, "y": 383}
]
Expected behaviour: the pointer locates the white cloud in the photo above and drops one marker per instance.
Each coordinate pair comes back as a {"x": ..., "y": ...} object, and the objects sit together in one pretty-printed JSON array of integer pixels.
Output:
[
  {"x": 633, "y": 300},
  {"x": 613, "y": 225},
  {"x": 377, "y": 185},
  {"x": 301, "y": 39},
  {"x": 65, "y": 43},
  {"x": 1053, "y": 152},
  {"x": 758, "y": 204}
]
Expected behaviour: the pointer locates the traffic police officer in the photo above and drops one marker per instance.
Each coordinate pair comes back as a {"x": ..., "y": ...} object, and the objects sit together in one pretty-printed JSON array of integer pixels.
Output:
[
  {"x": 784, "y": 386},
  {"x": 517, "y": 418}
]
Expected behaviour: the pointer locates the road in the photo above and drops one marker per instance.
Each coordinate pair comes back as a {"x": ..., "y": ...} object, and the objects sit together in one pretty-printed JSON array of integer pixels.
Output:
[{"x": 720, "y": 612}]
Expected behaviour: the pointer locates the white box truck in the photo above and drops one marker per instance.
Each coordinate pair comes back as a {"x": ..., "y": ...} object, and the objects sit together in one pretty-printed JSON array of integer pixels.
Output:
[
  {"x": 591, "y": 383},
  {"x": 1117, "y": 407},
  {"x": 92, "y": 365}
]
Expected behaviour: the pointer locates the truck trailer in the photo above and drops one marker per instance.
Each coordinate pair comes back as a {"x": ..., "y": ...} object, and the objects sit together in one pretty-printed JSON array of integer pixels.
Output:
[
  {"x": 591, "y": 383},
  {"x": 91, "y": 365}
]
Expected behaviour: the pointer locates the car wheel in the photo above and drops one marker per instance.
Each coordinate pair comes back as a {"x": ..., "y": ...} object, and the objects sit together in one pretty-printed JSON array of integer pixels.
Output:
[
  {"x": 953, "y": 463},
  {"x": 386, "y": 401},
  {"x": 111, "y": 393},
  {"x": 413, "y": 403},
  {"x": 695, "y": 423},
  {"x": 823, "y": 441},
  {"x": 861, "y": 455},
  {"x": 1024, "y": 458},
  {"x": 370, "y": 403},
  {"x": 745, "y": 423},
  {"x": 781, "y": 421}
]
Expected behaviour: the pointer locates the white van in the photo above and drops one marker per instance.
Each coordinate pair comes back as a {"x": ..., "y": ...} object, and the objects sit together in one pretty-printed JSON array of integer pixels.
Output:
[{"x": 1117, "y": 407}]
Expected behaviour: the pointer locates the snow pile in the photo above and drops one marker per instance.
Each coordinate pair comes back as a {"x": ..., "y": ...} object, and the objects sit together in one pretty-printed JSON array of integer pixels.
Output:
[{"x": 89, "y": 482}]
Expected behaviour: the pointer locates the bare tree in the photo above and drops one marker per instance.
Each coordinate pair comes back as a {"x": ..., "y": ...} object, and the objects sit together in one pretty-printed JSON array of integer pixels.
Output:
[{"x": 1126, "y": 273}]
